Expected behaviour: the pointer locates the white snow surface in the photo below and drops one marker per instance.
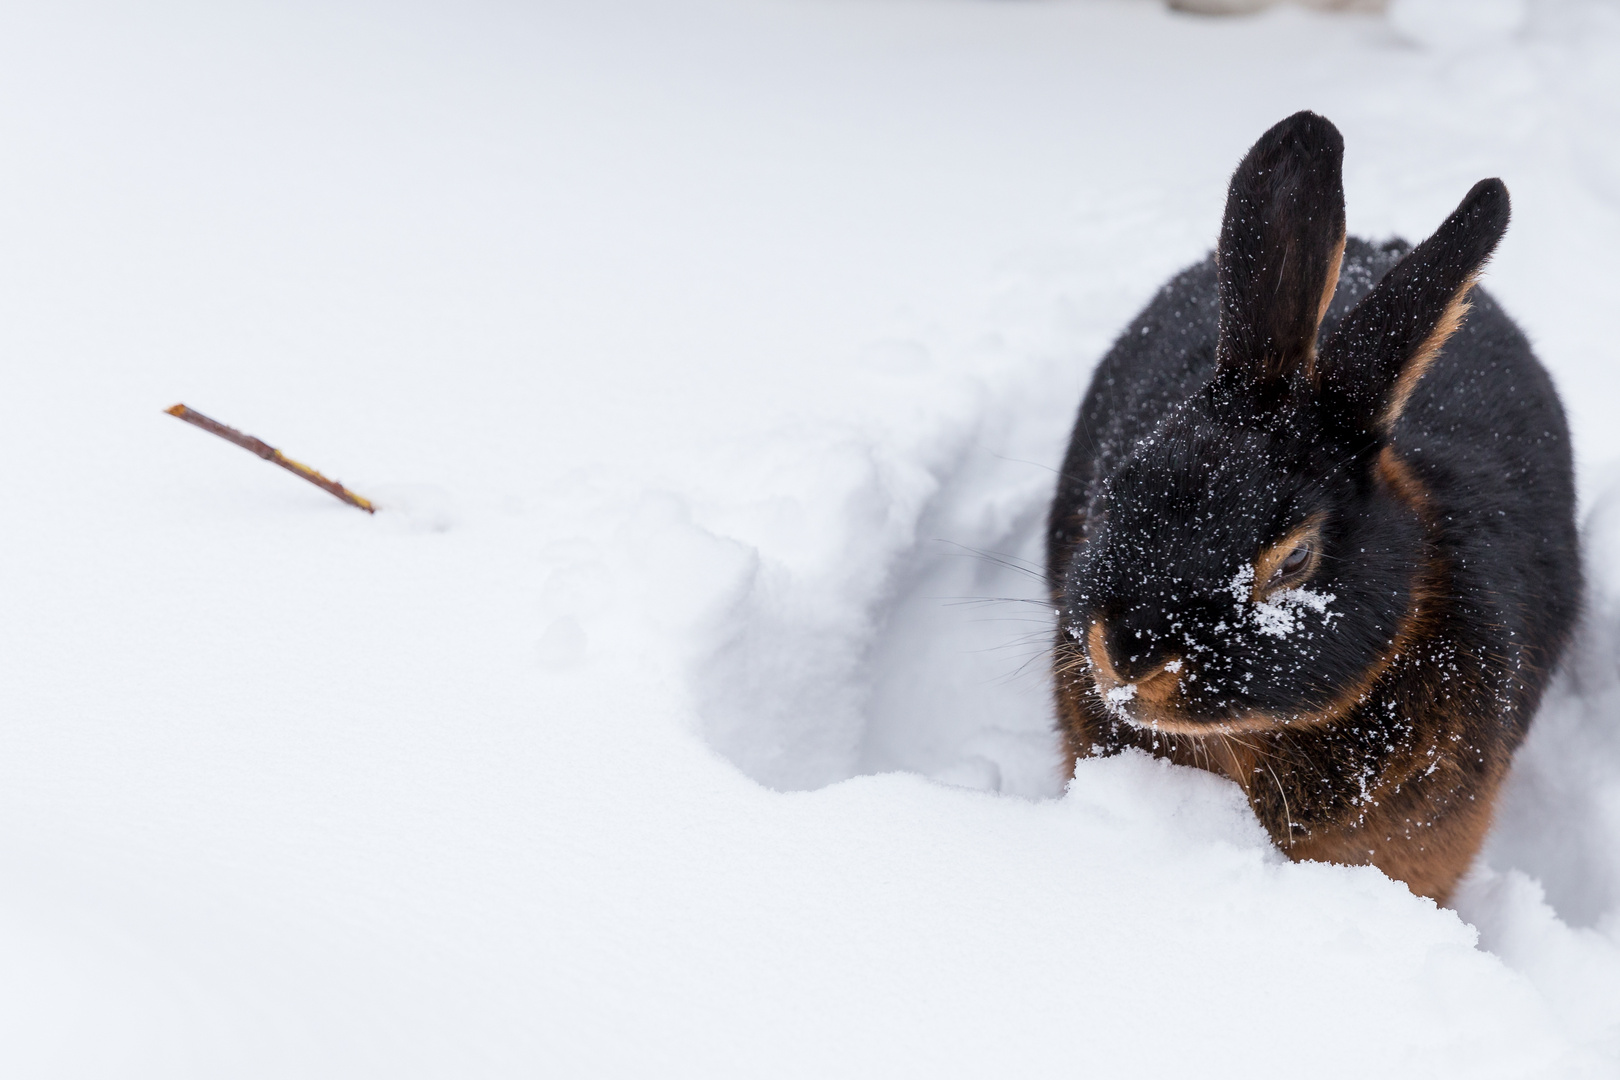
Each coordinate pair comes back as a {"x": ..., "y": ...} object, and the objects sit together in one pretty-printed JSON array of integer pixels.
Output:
[{"x": 684, "y": 712}]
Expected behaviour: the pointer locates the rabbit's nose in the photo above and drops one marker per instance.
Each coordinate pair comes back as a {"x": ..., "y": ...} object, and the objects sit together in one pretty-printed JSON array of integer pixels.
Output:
[
  {"x": 1135, "y": 648},
  {"x": 1133, "y": 684},
  {"x": 1152, "y": 671}
]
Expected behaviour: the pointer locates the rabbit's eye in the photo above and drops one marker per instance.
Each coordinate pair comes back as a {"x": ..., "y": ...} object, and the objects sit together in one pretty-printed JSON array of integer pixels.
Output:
[
  {"x": 1295, "y": 562},
  {"x": 1289, "y": 561}
]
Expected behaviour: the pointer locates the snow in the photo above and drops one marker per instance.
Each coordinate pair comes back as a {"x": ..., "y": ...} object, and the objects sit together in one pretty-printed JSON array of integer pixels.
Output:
[
  {"x": 1282, "y": 613},
  {"x": 1451, "y": 24},
  {"x": 683, "y": 712},
  {"x": 1279, "y": 614}
]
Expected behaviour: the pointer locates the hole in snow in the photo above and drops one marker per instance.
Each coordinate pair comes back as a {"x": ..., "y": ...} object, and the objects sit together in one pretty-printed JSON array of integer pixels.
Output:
[{"x": 918, "y": 640}]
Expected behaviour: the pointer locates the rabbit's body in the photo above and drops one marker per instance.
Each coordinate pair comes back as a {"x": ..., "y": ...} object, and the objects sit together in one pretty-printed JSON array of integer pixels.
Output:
[{"x": 1370, "y": 704}]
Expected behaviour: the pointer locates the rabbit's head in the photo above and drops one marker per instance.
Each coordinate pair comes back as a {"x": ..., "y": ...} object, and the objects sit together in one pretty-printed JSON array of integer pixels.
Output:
[{"x": 1261, "y": 558}]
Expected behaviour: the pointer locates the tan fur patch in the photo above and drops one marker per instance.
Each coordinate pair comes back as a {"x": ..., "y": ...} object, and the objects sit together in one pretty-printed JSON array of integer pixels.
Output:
[
  {"x": 1397, "y": 474},
  {"x": 1449, "y": 321},
  {"x": 1335, "y": 262}
]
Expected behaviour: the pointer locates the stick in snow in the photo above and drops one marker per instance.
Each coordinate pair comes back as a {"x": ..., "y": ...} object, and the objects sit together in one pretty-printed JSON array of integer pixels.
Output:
[{"x": 270, "y": 453}]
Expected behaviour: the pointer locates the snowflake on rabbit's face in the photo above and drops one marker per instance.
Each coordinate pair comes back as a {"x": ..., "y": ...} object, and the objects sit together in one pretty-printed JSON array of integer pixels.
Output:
[{"x": 1281, "y": 613}]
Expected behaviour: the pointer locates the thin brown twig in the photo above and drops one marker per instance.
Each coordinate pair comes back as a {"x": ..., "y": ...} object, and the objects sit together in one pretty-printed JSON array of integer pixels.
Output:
[{"x": 270, "y": 453}]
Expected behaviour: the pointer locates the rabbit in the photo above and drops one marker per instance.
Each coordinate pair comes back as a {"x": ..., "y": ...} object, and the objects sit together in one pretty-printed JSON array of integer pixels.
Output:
[{"x": 1315, "y": 528}]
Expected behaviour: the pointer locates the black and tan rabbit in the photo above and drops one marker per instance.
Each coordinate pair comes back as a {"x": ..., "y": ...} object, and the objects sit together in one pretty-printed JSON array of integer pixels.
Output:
[{"x": 1315, "y": 528}]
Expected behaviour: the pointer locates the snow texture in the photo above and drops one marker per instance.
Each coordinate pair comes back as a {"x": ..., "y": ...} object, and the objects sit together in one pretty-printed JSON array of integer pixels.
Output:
[
  {"x": 684, "y": 710},
  {"x": 1282, "y": 613}
]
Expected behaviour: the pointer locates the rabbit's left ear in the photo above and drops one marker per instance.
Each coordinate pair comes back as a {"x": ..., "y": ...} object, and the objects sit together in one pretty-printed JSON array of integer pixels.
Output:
[
  {"x": 1373, "y": 361},
  {"x": 1282, "y": 240}
]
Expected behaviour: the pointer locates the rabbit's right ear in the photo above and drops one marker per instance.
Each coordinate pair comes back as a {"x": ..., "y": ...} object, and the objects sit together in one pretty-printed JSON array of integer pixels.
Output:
[
  {"x": 1282, "y": 240},
  {"x": 1373, "y": 361}
]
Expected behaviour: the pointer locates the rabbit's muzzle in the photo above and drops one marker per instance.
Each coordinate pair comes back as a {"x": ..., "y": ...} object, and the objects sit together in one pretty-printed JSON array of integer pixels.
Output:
[{"x": 1156, "y": 699}]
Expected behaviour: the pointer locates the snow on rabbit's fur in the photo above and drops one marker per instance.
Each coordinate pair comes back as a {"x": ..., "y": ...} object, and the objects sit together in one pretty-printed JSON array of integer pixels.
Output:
[{"x": 1279, "y": 613}]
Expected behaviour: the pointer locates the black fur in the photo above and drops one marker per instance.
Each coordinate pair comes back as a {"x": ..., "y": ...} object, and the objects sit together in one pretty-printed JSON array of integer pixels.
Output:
[
  {"x": 1362, "y": 360},
  {"x": 1284, "y": 219},
  {"x": 1223, "y": 418}
]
